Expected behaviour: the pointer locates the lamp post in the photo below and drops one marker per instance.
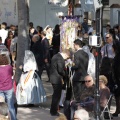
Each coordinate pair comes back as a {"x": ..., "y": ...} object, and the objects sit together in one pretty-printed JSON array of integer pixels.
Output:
[{"x": 98, "y": 33}]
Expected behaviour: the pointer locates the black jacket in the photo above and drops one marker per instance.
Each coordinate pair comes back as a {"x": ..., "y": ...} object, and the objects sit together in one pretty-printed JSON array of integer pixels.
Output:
[
  {"x": 57, "y": 71},
  {"x": 38, "y": 52},
  {"x": 81, "y": 65},
  {"x": 45, "y": 48}
]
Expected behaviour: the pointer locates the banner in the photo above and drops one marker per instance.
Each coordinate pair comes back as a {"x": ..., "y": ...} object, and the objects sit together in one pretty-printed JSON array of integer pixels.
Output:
[{"x": 68, "y": 32}]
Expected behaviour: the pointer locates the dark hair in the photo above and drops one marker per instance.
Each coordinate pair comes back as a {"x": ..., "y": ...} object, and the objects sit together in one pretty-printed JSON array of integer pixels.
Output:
[
  {"x": 78, "y": 42},
  {"x": 40, "y": 29},
  {"x": 31, "y": 24},
  {"x": 4, "y": 23},
  {"x": 3, "y": 109},
  {"x": 4, "y": 60},
  {"x": 112, "y": 32},
  {"x": 108, "y": 26},
  {"x": 57, "y": 29}
]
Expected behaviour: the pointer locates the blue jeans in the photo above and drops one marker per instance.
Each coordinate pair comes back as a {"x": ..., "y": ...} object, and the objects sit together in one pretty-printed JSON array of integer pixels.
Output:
[{"x": 9, "y": 98}]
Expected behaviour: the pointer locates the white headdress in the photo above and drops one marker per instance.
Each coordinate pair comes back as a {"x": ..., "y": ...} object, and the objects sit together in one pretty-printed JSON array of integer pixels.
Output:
[{"x": 29, "y": 61}]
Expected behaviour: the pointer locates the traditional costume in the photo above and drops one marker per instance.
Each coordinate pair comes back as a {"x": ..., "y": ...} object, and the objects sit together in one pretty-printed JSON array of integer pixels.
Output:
[{"x": 30, "y": 89}]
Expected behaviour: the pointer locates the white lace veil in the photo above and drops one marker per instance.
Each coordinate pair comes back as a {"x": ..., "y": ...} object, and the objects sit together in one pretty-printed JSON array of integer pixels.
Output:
[{"x": 29, "y": 61}]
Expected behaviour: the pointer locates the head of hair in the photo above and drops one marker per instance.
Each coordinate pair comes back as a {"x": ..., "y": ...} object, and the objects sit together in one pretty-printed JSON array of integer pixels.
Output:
[
  {"x": 78, "y": 42},
  {"x": 40, "y": 29},
  {"x": 67, "y": 51},
  {"x": 57, "y": 29},
  {"x": 31, "y": 24},
  {"x": 104, "y": 79},
  {"x": 3, "y": 108},
  {"x": 36, "y": 36},
  {"x": 82, "y": 114},
  {"x": 61, "y": 117},
  {"x": 4, "y": 59},
  {"x": 108, "y": 26},
  {"x": 43, "y": 33},
  {"x": 3, "y": 26}
]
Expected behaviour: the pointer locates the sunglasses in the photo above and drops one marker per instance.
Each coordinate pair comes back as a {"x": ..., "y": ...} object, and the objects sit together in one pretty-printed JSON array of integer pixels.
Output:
[{"x": 87, "y": 80}]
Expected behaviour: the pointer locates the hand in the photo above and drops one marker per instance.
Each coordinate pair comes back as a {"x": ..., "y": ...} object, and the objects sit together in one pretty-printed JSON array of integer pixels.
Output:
[
  {"x": 46, "y": 60},
  {"x": 20, "y": 67}
]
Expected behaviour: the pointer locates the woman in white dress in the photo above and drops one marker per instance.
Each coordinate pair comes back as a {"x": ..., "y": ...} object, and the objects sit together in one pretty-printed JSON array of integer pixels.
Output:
[{"x": 30, "y": 89}]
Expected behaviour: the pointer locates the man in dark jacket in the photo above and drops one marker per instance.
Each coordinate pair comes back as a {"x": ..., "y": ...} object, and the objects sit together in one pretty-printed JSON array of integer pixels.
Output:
[
  {"x": 38, "y": 52},
  {"x": 80, "y": 67},
  {"x": 46, "y": 54},
  {"x": 56, "y": 78}
]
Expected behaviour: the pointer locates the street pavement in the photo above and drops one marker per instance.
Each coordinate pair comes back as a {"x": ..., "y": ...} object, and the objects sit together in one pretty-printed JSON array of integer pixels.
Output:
[{"x": 41, "y": 111}]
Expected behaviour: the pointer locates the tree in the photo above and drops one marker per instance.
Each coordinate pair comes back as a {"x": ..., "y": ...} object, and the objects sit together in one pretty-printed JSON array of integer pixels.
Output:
[{"x": 23, "y": 35}]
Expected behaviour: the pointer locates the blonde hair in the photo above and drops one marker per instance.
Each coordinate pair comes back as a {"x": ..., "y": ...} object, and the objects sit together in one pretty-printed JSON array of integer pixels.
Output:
[{"x": 104, "y": 79}]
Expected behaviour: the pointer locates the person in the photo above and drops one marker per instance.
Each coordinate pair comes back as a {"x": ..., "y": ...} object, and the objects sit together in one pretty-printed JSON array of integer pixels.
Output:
[
  {"x": 38, "y": 52},
  {"x": 108, "y": 27},
  {"x": 116, "y": 74},
  {"x": 56, "y": 40},
  {"x": 104, "y": 94},
  {"x": 49, "y": 33},
  {"x": 30, "y": 89},
  {"x": 6, "y": 84},
  {"x": 91, "y": 64},
  {"x": 80, "y": 67},
  {"x": 56, "y": 78},
  {"x": 3, "y": 32},
  {"x": 86, "y": 98},
  {"x": 106, "y": 66},
  {"x": 9, "y": 39},
  {"x": 32, "y": 32},
  {"x": 13, "y": 46},
  {"x": 46, "y": 54},
  {"x": 92, "y": 28},
  {"x": 81, "y": 114},
  {"x": 85, "y": 25}
]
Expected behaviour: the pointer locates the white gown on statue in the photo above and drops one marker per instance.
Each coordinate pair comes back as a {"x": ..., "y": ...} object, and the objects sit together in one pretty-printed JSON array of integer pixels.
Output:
[
  {"x": 30, "y": 89},
  {"x": 91, "y": 63}
]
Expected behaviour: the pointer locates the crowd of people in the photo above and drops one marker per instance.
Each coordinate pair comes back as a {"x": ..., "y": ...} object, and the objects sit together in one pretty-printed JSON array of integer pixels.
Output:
[{"x": 76, "y": 77}]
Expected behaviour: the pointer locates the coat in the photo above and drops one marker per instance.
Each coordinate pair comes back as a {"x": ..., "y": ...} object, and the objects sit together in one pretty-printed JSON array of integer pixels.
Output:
[
  {"x": 81, "y": 65},
  {"x": 57, "y": 71}
]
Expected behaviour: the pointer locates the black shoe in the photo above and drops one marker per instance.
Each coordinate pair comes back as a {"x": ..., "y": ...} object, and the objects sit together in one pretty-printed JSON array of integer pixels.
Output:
[
  {"x": 115, "y": 115},
  {"x": 57, "y": 114}
]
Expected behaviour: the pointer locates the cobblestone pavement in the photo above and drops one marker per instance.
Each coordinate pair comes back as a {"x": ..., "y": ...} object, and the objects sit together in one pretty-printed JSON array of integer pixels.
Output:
[{"x": 41, "y": 112}]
